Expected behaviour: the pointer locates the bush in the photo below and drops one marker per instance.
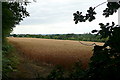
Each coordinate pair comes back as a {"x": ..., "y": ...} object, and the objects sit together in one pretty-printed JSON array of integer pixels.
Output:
[
  {"x": 56, "y": 74},
  {"x": 9, "y": 61},
  {"x": 77, "y": 72}
]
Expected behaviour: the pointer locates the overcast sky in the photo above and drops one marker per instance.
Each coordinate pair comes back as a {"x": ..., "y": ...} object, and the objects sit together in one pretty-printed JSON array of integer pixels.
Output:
[{"x": 56, "y": 17}]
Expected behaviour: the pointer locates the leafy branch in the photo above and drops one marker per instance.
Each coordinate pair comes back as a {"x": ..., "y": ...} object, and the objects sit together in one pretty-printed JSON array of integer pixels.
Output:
[{"x": 112, "y": 7}]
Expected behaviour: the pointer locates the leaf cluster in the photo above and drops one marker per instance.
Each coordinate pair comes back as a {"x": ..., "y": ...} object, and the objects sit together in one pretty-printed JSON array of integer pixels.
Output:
[
  {"x": 112, "y": 8},
  {"x": 78, "y": 17},
  {"x": 106, "y": 30}
]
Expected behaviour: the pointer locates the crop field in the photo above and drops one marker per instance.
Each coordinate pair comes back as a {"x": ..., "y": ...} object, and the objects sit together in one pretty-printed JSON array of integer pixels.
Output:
[{"x": 54, "y": 52}]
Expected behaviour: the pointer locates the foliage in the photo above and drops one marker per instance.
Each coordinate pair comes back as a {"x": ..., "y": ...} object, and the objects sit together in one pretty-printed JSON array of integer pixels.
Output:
[
  {"x": 9, "y": 61},
  {"x": 89, "y": 16},
  {"x": 81, "y": 37},
  {"x": 112, "y": 7},
  {"x": 105, "y": 62},
  {"x": 77, "y": 72},
  {"x": 56, "y": 74},
  {"x": 12, "y": 14}
]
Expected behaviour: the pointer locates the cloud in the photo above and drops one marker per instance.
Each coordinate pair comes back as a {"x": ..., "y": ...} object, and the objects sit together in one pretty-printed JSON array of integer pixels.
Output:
[
  {"x": 51, "y": 11},
  {"x": 56, "y": 16}
]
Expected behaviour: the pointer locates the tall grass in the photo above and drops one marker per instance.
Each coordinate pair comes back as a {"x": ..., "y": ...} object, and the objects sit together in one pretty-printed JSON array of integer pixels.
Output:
[{"x": 56, "y": 52}]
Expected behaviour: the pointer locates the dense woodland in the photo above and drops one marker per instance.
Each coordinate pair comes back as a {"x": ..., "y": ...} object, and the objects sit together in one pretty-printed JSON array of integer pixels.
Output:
[{"x": 80, "y": 37}]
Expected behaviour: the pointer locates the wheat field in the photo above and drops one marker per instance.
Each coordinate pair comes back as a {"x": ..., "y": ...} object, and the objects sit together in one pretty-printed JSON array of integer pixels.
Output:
[{"x": 54, "y": 52}]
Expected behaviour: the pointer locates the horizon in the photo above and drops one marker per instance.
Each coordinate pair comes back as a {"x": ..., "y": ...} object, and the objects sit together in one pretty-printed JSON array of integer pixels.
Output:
[{"x": 50, "y": 34}]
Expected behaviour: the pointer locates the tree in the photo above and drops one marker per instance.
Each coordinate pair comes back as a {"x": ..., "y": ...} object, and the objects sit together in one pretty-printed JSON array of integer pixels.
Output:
[
  {"x": 12, "y": 14},
  {"x": 105, "y": 62}
]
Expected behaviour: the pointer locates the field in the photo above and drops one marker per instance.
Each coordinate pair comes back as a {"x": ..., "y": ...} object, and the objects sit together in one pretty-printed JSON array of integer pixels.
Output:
[{"x": 54, "y": 52}]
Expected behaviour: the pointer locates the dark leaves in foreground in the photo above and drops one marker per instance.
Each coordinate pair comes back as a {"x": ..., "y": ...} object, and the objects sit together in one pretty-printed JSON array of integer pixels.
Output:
[
  {"x": 112, "y": 8},
  {"x": 106, "y": 30},
  {"x": 78, "y": 17}
]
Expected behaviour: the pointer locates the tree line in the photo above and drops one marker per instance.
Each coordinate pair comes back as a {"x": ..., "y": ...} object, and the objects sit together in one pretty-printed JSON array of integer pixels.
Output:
[{"x": 81, "y": 37}]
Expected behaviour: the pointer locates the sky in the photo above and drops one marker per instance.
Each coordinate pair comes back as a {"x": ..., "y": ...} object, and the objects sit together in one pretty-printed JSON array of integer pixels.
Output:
[{"x": 56, "y": 17}]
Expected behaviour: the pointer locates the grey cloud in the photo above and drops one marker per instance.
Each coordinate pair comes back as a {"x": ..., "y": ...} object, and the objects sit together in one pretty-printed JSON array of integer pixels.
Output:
[{"x": 48, "y": 12}]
